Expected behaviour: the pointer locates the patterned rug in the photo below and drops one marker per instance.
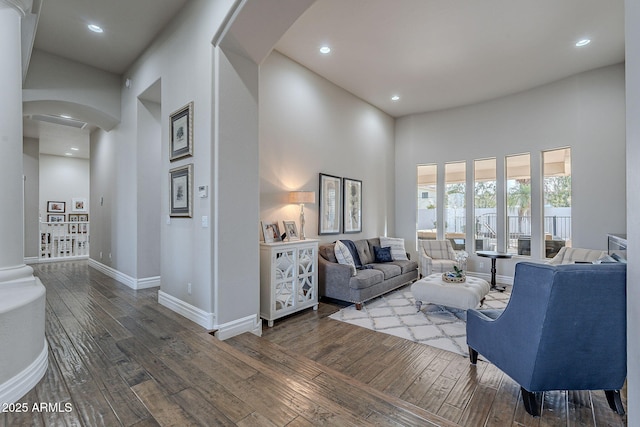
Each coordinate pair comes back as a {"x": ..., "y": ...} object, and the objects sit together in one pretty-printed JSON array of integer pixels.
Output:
[{"x": 435, "y": 325}]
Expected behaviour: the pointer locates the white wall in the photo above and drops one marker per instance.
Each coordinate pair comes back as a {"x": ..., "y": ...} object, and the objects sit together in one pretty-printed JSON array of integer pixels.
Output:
[
  {"x": 585, "y": 112},
  {"x": 310, "y": 126},
  {"x": 181, "y": 58},
  {"x": 632, "y": 37},
  {"x": 63, "y": 179},
  {"x": 56, "y": 85},
  {"x": 31, "y": 154}
]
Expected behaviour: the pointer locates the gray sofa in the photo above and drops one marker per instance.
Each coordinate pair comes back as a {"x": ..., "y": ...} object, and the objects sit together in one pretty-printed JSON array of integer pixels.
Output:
[{"x": 335, "y": 280}]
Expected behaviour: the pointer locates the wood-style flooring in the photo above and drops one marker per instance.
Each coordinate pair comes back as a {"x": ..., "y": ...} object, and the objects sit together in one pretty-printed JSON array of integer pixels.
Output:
[{"x": 116, "y": 357}]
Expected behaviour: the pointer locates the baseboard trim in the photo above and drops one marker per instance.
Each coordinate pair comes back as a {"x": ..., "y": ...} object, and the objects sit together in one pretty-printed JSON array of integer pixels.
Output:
[
  {"x": 15, "y": 388},
  {"x": 193, "y": 313},
  {"x": 133, "y": 283},
  {"x": 251, "y": 324},
  {"x": 505, "y": 280}
]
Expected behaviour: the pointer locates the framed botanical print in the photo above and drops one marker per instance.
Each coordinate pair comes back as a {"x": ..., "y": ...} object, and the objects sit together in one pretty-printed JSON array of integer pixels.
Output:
[
  {"x": 352, "y": 200},
  {"x": 181, "y": 191},
  {"x": 181, "y": 131},
  {"x": 330, "y": 204}
]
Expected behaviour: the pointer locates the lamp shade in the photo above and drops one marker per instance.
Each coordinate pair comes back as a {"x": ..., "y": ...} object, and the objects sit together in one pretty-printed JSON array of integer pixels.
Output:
[{"x": 302, "y": 197}]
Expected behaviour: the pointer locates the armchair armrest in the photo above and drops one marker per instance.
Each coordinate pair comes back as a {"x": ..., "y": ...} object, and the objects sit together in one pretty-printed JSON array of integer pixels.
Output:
[{"x": 426, "y": 262}]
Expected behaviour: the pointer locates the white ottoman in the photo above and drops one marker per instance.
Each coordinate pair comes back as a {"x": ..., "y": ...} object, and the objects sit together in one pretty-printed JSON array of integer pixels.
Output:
[{"x": 432, "y": 289}]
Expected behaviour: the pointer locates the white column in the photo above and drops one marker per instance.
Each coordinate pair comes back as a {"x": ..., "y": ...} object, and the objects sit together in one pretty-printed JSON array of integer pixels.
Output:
[{"x": 23, "y": 350}]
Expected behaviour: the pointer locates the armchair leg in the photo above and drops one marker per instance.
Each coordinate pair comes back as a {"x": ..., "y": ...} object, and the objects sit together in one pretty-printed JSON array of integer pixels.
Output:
[
  {"x": 473, "y": 356},
  {"x": 531, "y": 404},
  {"x": 615, "y": 401}
]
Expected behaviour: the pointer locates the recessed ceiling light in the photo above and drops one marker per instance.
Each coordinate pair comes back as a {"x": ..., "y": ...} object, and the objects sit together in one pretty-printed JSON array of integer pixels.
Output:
[
  {"x": 325, "y": 50},
  {"x": 95, "y": 28},
  {"x": 395, "y": 98},
  {"x": 74, "y": 149},
  {"x": 68, "y": 154},
  {"x": 583, "y": 42},
  {"x": 64, "y": 116}
]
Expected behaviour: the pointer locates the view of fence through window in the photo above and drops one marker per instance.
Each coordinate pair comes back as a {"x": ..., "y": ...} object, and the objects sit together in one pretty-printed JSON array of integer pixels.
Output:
[
  {"x": 427, "y": 212},
  {"x": 557, "y": 199},
  {"x": 485, "y": 205},
  {"x": 515, "y": 228},
  {"x": 455, "y": 204},
  {"x": 518, "y": 193}
]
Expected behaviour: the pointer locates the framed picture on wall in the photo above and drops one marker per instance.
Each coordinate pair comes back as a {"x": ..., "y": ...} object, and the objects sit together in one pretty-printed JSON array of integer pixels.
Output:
[
  {"x": 181, "y": 191},
  {"x": 56, "y": 218},
  {"x": 56, "y": 207},
  {"x": 181, "y": 132},
  {"x": 352, "y": 201},
  {"x": 330, "y": 204},
  {"x": 78, "y": 205},
  {"x": 83, "y": 217}
]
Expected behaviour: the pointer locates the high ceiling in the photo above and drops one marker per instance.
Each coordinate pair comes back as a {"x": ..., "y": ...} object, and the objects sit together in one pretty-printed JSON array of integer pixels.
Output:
[{"x": 433, "y": 54}]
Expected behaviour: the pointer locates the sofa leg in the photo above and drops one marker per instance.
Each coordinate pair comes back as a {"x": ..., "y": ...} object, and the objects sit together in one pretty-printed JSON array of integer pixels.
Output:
[
  {"x": 473, "y": 356},
  {"x": 615, "y": 401},
  {"x": 530, "y": 401},
  {"x": 358, "y": 306}
]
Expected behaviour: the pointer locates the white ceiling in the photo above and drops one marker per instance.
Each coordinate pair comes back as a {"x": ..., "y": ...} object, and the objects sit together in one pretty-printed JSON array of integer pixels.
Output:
[
  {"x": 434, "y": 54},
  {"x": 438, "y": 54}
]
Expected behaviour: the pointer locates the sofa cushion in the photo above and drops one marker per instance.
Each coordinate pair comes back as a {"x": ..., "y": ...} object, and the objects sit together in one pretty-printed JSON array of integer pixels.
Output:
[
  {"x": 327, "y": 252},
  {"x": 398, "y": 253},
  {"x": 343, "y": 255},
  {"x": 366, "y": 278},
  {"x": 364, "y": 251},
  {"x": 406, "y": 266},
  {"x": 388, "y": 269},
  {"x": 382, "y": 254}
]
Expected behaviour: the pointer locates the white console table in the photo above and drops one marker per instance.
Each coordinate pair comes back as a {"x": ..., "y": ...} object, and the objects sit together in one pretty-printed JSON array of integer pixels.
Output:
[{"x": 288, "y": 278}]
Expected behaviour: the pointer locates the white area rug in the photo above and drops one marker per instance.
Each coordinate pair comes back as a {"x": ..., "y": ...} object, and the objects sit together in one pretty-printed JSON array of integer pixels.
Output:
[{"x": 435, "y": 325}]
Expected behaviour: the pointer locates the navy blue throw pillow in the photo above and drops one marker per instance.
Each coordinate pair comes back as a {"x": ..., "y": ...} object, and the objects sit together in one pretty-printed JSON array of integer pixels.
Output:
[{"x": 382, "y": 254}]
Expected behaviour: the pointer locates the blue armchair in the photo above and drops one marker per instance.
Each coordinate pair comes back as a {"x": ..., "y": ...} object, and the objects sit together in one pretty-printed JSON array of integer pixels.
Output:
[{"x": 563, "y": 329}]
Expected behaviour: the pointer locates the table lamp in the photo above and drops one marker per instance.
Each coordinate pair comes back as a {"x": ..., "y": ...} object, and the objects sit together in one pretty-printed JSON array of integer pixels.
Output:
[{"x": 302, "y": 197}]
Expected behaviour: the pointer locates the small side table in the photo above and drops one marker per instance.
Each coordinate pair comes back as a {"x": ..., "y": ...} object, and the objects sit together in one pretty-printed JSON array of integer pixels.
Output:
[{"x": 494, "y": 256}]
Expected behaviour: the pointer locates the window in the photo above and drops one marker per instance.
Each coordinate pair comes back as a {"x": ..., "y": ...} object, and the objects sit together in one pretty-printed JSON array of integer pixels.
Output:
[
  {"x": 556, "y": 166},
  {"x": 427, "y": 188},
  {"x": 518, "y": 192},
  {"x": 485, "y": 202},
  {"x": 454, "y": 204}
]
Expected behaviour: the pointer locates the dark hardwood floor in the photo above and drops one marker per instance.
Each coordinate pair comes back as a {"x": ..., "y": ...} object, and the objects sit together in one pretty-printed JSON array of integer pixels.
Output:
[{"x": 116, "y": 357}]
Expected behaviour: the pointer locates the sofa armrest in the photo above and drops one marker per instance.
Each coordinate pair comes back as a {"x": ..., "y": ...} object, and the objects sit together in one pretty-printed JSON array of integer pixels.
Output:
[{"x": 333, "y": 278}]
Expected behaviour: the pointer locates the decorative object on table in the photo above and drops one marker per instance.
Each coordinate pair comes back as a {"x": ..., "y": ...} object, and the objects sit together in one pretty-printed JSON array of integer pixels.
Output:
[
  {"x": 352, "y": 197},
  {"x": 455, "y": 276},
  {"x": 330, "y": 203},
  {"x": 291, "y": 230},
  {"x": 56, "y": 207},
  {"x": 78, "y": 205},
  {"x": 271, "y": 232},
  {"x": 181, "y": 191},
  {"x": 181, "y": 131},
  {"x": 461, "y": 259},
  {"x": 301, "y": 197}
]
